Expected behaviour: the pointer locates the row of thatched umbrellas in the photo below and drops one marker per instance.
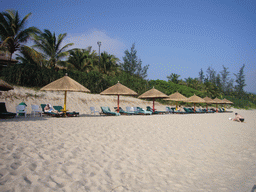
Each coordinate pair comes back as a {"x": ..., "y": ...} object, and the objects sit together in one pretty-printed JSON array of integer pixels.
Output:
[{"x": 67, "y": 84}]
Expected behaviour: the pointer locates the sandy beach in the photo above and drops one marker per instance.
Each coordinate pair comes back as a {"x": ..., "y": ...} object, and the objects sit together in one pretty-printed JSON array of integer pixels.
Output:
[{"x": 172, "y": 152}]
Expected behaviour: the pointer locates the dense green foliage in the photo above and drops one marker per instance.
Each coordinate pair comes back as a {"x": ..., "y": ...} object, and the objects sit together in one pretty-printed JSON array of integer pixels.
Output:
[{"x": 49, "y": 61}]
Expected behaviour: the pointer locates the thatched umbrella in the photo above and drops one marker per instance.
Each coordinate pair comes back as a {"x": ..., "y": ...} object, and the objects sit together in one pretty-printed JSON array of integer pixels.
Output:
[
  {"x": 176, "y": 97},
  {"x": 195, "y": 99},
  {"x": 208, "y": 101},
  {"x": 227, "y": 101},
  {"x": 153, "y": 94},
  {"x": 65, "y": 84},
  {"x": 5, "y": 86},
  {"x": 118, "y": 89},
  {"x": 218, "y": 101}
]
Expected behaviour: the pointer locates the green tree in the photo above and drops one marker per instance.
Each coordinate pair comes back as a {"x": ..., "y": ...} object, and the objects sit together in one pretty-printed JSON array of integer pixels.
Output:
[
  {"x": 173, "y": 78},
  {"x": 201, "y": 76},
  {"x": 240, "y": 80},
  {"x": 81, "y": 59},
  {"x": 12, "y": 31},
  {"x": 50, "y": 46},
  {"x": 133, "y": 65},
  {"x": 211, "y": 75},
  {"x": 108, "y": 63},
  {"x": 224, "y": 79},
  {"x": 30, "y": 56}
]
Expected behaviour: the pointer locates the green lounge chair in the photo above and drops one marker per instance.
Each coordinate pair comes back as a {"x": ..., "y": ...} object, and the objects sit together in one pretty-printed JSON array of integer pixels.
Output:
[
  {"x": 188, "y": 110},
  {"x": 140, "y": 111},
  {"x": 106, "y": 111},
  {"x": 4, "y": 113},
  {"x": 69, "y": 114},
  {"x": 123, "y": 112},
  {"x": 177, "y": 111},
  {"x": 155, "y": 112},
  {"x": 50, "y": 113}
]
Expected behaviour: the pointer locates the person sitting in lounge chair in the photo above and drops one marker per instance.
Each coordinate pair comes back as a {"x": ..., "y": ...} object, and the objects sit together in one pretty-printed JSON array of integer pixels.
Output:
[
  {"x": 49, "y": 108},
  {"x": 238, "y": 118}
]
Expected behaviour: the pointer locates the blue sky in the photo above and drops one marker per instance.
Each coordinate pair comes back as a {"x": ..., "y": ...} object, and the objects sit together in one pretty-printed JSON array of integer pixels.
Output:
[{"x": 171, "y": 36}]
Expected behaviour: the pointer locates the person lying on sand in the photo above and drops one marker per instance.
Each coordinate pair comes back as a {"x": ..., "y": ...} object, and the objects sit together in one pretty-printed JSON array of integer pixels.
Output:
[{"x": 238, "y": 118}]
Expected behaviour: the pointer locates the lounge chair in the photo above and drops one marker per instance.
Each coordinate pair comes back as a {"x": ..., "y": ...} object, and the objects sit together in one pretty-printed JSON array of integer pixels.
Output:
[
  {"x": 4, "y": 113},
  {"x": 123, "y": 112},
  {"x": 50, "y": 113},
  {"x": 69, "y": 114},
  {"x": 93, "y": 110},
  {"x": 20, "y": 109},
  {"x": 168, "y": 110},
  {"x": 155, "y": 112},
  {"x": 140, "y": 111},
  {"x": 36, "y": 109},
  {"x": 177, "y": 111},
  {"x": 188, "y": 110},
  {"x": 106, "y": 111},
  {"x": 224, "y": 110}
]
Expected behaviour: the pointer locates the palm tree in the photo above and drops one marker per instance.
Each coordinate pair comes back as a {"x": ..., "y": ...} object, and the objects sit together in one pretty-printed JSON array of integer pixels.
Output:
[
  {"x": 12, "y": 32},
  {"x": 108, "y": 63},
  {"x": 50, "y": 46},
  {"x": 81, "y": 59},
  {"x": 30, "y": 56}
]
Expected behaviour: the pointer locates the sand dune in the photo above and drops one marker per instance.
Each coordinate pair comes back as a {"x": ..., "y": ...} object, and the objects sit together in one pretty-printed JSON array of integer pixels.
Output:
[{"x": 196, "y": 152}]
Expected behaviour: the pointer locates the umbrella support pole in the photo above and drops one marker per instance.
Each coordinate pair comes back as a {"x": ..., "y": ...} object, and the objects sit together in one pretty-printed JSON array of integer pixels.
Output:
[
  {"x": 153, "y": 105},
  {"x": 217, "y": 108},
  {"x": 176, "y": 105},
  {"x": 65, "y": 104},
  {"x": 118, "y": 103},
  {"x": 194, "y": 107}
]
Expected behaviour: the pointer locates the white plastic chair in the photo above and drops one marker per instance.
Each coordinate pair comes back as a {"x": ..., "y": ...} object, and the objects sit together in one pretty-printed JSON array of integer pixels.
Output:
[
  {"x": 21, "y": 109},
  {"x": 36, "y": 109},
  {"x": 93, "y": 110},
  {"x": 128, "y": 109}
]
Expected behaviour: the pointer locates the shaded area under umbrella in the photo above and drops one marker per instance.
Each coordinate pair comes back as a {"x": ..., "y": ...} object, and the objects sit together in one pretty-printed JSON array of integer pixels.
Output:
[
  {"x": 218, "y": 101},
  {"x": 118, "y": 89},
  {"x": 208, "y": 100},
  {"x": 195, "y": 99},
  {"x": 5, "y": 86},
  {"x": 65, "y": 84},
  {"x": 153, "y": 94},
  {"x": 176, "y": 97},
  {"x": 227, "y": 102}
]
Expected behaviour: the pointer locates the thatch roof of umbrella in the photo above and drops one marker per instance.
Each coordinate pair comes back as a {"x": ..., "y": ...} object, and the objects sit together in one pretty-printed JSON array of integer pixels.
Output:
[
  {"x": 152, "y": 94},
  {"x": 208, "y": 100},
  {"x": 5, "y": 86},
  {"x": 65, "y": 84},
  {"x": 218, "y": 101},
  {"x": 176, "y": 97},
  {"x": 195, "y": 99},
  {"x": 118, "y": 89},
  {"x": 227, "y": 101}
]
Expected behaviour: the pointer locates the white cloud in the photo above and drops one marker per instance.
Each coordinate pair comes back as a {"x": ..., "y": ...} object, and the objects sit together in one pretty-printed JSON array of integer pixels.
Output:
[{"x": 113, "y": 46}]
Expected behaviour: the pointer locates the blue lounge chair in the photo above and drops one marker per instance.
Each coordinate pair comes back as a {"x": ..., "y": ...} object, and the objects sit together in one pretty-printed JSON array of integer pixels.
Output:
[
  {"x": 123, "y": 112},
  {"x": 106, "y": 111},
  {"x": 155, "y": 112},
  {"x": 69, "y": 114},
  {"x": 141, "y": 111}
]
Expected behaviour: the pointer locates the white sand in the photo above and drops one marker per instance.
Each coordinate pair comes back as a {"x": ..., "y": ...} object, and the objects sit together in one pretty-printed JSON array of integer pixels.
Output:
[{"x": 196, "y": 152}]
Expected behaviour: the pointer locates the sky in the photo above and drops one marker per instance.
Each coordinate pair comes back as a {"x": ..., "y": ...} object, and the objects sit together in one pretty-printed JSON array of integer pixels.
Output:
[{"x": 179, "y": 37}]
